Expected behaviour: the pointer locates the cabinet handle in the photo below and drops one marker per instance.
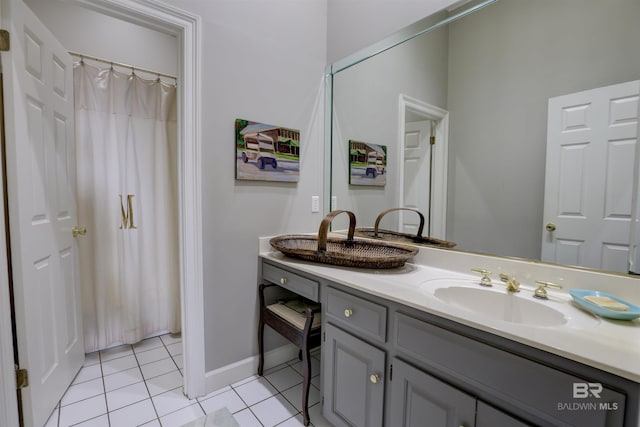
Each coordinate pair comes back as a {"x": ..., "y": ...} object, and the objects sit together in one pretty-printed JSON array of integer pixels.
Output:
[
  {"x": 283, "y": 280},
  {"x": 374, "y": 378},
  {"x": 348, "y": 312}
]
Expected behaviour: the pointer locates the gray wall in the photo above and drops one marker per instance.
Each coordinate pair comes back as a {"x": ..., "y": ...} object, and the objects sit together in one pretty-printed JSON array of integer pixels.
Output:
[
  {"x": 355, "y": 24},
  {"x": 366, "y": 98},
  {"x": 261, "y": 61},
  {"x": 91, "y": 33},
  {"x": 505, "y": 62}
]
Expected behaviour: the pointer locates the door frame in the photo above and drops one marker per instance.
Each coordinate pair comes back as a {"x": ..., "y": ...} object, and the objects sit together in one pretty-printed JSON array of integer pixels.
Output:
[
  {"x": 438, "y": 214},
  {"x": 187, "y": 29}
]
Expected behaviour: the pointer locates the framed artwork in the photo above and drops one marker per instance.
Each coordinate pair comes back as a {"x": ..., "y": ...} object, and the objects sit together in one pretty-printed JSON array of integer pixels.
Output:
[
  {"x": 367, "y": 164},
  {"x": 266, "y": 152}
]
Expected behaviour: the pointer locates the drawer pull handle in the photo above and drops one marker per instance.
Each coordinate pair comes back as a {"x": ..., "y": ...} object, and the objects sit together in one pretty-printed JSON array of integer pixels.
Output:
[
  {"x": 374, "y": 378},
  {"x": 348, "y": 312},
  {"x": 283, "y": 280}
]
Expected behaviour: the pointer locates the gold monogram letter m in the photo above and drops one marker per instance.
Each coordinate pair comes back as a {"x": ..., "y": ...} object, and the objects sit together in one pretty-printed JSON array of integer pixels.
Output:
[{"x": 127, "y": 215}]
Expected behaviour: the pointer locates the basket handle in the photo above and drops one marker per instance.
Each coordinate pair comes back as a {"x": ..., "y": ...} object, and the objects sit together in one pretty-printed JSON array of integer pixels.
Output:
[
  {"x": 324, "y": 228},
  {"x": 383, "y": 213}
]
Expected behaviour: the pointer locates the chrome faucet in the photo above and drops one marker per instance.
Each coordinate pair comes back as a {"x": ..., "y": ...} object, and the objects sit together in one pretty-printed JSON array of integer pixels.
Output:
[{"x": 512, "y": 284}]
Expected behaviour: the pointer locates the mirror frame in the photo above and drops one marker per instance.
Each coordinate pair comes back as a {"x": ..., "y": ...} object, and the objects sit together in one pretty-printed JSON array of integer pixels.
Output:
[{"x": 420, "y": 27}]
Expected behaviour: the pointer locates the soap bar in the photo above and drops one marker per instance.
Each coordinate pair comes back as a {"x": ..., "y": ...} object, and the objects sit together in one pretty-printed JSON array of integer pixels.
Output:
[{"x": 607, "y": 302}]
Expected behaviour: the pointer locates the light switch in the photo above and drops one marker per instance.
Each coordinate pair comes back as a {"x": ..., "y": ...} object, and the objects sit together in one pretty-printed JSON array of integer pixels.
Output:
[
  {"x": 315, "y": 204},
  {"x": 334, "y": 203}
]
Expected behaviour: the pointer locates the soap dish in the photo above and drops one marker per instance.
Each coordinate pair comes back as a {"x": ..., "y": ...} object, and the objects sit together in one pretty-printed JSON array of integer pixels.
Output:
[{"x": 579, "y": 294}]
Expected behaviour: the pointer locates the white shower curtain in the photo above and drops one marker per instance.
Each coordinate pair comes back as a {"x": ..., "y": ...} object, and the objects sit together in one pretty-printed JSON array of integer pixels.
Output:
[{"x": 126, "y": 159}]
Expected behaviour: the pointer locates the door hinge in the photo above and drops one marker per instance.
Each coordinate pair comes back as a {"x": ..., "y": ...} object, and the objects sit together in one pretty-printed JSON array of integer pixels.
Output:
[
  {"x": 324, "y": 337},
  {"x": 4, "y": 40},
  {"x": 432, "y": 140},
  {"x": 22, "y": 378},
  {"x": 391, "y": 372}
]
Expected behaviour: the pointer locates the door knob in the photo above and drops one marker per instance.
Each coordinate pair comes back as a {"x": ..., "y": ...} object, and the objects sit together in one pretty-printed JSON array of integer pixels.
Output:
[
  {"x": 551, "y": 227},
  {"x": 374, "y": 378},
  {"x": 78, "y": 231},
  {"x": 348, "y": 312}
]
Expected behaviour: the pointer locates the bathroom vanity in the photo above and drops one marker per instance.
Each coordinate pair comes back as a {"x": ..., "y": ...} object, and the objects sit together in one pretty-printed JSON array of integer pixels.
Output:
[{"x": 400, "y": 347}]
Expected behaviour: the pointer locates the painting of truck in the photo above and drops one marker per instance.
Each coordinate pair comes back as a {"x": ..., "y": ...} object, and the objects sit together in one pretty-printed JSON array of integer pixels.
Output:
[
  {"x": 266, "y": 152},
  {"x": 367, "y": 163}
]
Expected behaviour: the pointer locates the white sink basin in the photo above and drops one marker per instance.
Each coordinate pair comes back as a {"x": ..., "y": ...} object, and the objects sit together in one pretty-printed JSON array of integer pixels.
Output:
[
  {"x": 498, "y": 304},
  {"x": 501, "y": 306}
]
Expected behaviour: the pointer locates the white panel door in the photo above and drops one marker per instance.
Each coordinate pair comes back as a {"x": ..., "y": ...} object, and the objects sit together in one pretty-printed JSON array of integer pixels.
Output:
[
  {"x": 416, "y": 175},
  {"x": 591, "y": 151},
  {"x": 38, "y": 83}
]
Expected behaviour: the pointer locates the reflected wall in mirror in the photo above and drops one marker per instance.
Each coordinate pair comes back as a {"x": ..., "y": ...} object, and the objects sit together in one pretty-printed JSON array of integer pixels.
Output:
[{"x": 493, "y": 73}]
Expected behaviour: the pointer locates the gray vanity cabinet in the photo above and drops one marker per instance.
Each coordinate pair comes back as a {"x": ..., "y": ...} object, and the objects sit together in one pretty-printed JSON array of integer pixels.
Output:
[
  {"x": 419, "y": 399},
  {"x": 386, "y": 364},
  {"x": 353, "y": 380}
]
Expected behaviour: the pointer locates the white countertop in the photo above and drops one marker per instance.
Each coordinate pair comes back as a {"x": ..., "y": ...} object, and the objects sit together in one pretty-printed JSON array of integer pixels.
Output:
[{"x": 610, "y": 345}]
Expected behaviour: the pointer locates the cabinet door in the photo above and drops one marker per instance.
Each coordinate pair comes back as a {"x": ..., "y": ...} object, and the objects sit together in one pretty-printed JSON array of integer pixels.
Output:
[
  {"x": 419, "y": 399},
  {"x": 354, "y": 377},
  {"x": 488, "y": 416}
]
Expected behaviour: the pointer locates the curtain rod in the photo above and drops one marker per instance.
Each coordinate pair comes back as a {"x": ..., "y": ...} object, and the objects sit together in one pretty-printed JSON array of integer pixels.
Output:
[{"x": 120, "y": 64}]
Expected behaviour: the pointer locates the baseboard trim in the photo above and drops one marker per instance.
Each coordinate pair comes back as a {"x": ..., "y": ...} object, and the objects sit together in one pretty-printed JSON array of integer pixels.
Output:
[{"x": 242, "y": 369}]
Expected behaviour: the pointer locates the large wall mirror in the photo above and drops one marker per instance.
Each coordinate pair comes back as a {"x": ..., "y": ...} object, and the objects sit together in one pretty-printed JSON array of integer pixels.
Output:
[{"x": 533, "y": 106}]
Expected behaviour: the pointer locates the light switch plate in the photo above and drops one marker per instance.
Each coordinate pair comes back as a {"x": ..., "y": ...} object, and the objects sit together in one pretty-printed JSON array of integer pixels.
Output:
[{"x": 315, "y": 204}]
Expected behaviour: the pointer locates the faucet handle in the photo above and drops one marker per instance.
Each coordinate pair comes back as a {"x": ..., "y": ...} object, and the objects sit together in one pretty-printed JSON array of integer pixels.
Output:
[
  {"x": 512, "y": 284},
  {"x": 541, "y": 292},
  {"x": 485, "y": 280}
]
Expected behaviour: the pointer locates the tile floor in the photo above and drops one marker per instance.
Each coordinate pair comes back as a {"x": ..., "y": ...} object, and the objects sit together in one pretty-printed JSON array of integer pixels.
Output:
[{"x": 141, "y": 385}]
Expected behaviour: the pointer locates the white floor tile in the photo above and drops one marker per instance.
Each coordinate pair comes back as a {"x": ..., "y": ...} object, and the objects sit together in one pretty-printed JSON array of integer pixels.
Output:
[
  {"x": 87, "y": 373},
  {"x": 284, "y": 378},
  {"x": 316, "y": 381},
  {"x": 171, "y": 401},
  {"x": 91, "y": 358},
  {"x": 315, "y": 367},
  {"x": 296, "y": 421},
  {"x": 154, "y": 423},
  {"x": 153, "y": 355},
  {"x": 133, "y": 415},
  {"x": 116, "y": 352},
  {"x": 171, "y": 338},
  {"x": 316, "y": 418},
  {"x": 175, "y": 348},
  {"x": 82, "y": 411},
  {"x": 101, "y": 421},
  {"x": 179, "y": 361},
  {"x": 273, "y": 411},
  {"x": 245, "y": 380},
  {"x": 53, "y": 419},
  {"x": 160, "y": 367},
  {"x": 165, "y": 382},
  {"x": 255, "y": 391},
  {"x": 82, "y": 391},
  {"x": 246, "y": 418},
  {"x": 182, "y": 416},
  {"x": 228, "y": 399},
  {"x": 126, "y": 396},
  {"x": 122, "y": 379},
  {"x": 215, "y": 393},
  {"x": 147, "y": 344},
  {"x": 118, "y": 365},
  {"x": 294, "y": 395}
]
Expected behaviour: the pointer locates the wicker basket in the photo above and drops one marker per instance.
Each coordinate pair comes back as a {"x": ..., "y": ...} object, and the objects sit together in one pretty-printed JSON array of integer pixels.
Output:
[
  {"x": 345, "y": 252},
  {"x": 376, "y": 233}
]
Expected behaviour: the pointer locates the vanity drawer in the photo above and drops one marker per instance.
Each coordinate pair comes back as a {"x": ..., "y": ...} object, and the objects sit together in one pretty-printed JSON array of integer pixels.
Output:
[
  {"x": 357, "y": 314},
  {"x": 541, "y": 390},
  {"x": 295, "y": 283}
]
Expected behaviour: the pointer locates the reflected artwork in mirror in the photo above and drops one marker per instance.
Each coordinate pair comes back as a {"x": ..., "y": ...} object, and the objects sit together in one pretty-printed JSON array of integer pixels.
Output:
[{"x": 513, "y": 129}]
